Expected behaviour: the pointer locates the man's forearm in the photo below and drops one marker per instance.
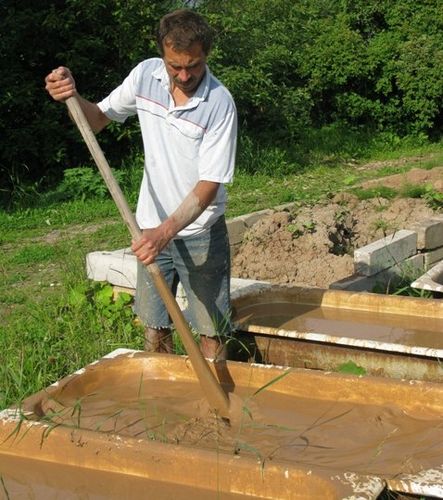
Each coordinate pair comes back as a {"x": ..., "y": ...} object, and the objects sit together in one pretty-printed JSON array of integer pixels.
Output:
[
  {"x": 155, "y": 239},
  {"x": 96, "y": 118},
  {"x": 191, "y": 208}
]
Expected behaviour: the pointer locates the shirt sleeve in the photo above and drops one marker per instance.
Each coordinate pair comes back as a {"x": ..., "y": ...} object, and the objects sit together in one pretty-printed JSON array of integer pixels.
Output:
[
  {"x": 120, "y": 103},
  {"x": 217, "y": 151}
]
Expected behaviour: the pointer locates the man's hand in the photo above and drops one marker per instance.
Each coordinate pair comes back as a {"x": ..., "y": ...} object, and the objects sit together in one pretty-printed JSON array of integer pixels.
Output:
[
  {"x": 60, "y": 84},
  {"x": 150, "y": 244}
]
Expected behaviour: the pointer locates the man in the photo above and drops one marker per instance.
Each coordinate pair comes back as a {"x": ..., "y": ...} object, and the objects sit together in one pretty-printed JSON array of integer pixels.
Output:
[{"x": 189, "y": 126}]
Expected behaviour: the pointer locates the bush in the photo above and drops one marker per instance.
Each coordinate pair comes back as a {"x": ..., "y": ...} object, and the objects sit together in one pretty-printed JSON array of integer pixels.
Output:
[{"x": 294, "y": 68}]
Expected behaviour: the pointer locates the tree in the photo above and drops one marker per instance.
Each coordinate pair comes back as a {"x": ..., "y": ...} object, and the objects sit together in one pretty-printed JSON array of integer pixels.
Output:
[{"x": 100, "y": 41}]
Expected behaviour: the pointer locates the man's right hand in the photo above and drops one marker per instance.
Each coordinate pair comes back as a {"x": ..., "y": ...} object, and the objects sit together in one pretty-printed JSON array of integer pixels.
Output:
[{"x": 60, "y": 84}]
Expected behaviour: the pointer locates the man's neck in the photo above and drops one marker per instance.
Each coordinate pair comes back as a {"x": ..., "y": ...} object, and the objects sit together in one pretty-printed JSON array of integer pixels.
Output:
[{"x": 180, "y": 97}]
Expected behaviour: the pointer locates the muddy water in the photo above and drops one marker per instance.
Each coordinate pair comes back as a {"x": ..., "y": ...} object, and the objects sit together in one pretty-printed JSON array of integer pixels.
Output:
[
  {"x": 381, "y": 440},
  {"x": 392, "y": 328}
]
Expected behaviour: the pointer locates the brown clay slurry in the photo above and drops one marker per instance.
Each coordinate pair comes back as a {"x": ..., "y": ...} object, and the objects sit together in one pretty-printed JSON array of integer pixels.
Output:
[
  {"x": 143, "y": 416},
  {"x": 368, "y": 439},
  {"x": 391, "y": 328}
]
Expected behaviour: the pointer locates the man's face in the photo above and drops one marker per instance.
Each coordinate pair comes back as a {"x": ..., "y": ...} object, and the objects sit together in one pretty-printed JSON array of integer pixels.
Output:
[{"x": 185, "y": 69}]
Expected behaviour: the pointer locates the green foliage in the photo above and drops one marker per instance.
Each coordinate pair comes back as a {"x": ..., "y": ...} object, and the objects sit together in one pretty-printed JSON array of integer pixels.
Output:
[
  {"x": 402, "y": 286},
  {"x": 85, "y": 182},
  {"x": 100, "y": 297},
  {"x": 267, "y": 160},
  {"x": 34, "y": 254},
  {"x": 256, "y": 56},
  {"x": 401, "y": 283},
  {"x": 434, "y": 198},
  {"x": 352, "y": 368},
  {"x": 49, "y": 342},
  {"x": 293, "y": 66},
  {"x": 375, "y": 192},
  {"x": 414, "y": 191},
  {"x": 38, "y": 139},
  {"x": 300, "y": 228},
  {"x": 312, "y": 80}
]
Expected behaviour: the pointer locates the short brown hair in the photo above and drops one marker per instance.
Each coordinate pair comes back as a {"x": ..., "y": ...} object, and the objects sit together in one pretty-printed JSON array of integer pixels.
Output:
[{"x": 182, "y": 28}]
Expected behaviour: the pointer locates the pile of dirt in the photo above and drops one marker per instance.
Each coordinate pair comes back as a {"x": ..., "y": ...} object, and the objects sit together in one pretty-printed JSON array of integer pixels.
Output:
[{"x": 313, "y": 246}]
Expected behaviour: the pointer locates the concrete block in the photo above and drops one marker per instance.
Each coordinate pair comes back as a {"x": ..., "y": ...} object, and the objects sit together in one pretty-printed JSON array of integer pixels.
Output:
[
  {"x": 118, "y": 267},
  {"x": 251, "y": 219},
  {"x": 409, "y": 266},
  {"x": 385, "y": 253},
  {"x": 432, "y": 257},
  {"x": 236, "y": 230},
  {"x": 360, "y": 283},
  {"x": 429, "y": 234},
  {"x": 286, "y": 206},
  {"x": 356, "y": 283}
]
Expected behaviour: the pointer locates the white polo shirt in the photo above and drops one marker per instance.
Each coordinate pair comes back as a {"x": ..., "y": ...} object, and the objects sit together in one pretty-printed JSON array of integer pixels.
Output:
[{"x": 182, "y": 144}]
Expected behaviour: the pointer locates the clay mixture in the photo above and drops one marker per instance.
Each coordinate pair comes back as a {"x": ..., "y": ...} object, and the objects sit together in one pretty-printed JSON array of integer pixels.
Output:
[
  {"x": 133, "y": 398},
  {"x": 313, "y": 246}
]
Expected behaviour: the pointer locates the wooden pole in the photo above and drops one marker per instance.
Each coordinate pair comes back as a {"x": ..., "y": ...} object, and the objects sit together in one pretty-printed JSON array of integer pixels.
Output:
[{"x": 210, "y": 386}]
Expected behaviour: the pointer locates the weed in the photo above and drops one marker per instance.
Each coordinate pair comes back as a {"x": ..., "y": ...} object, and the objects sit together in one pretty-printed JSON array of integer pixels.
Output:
[
  {"x": 341, "y": 215},
  {"x": 401, "y": 284},
  {"x": 49, "y": 342},
  {"x": 414, "y": 191},
  {"x": 410, "y": 291},
  {"x": 295, "y": 229},
  {"x": 5, "y": 491},
  {"x": 309, "y": 226},
  {"x": 352, "y": 368},
  {"x": 252, "y": 158},
  {"x": 375, "y": 192},
  {"x": 33, "y": 254},
  {"x": 83, "y": 183},
  {"x": 298, "y": 229},
  {"x": 240, "y": 444},
  {"x": 351, "y": 179},
  {"x": 434, "y": 199},
  {"x": 381, "y": 225},
  {"x": 342, "y": 237}
]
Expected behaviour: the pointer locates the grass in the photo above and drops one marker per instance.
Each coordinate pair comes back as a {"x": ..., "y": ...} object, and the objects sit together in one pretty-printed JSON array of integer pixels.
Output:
[{"x": 55, "y": 320}]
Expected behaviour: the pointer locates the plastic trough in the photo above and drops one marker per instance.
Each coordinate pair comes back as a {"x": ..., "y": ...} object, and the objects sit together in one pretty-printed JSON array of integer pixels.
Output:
[
  {"x": 431, "y": 281},
  {"x": 108, "y": 432},
  {"x": 390, "y": 336}
]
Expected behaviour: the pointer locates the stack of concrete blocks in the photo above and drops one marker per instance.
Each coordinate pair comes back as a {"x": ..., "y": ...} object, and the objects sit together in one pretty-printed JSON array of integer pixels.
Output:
[{"x": 403, "y": 253}]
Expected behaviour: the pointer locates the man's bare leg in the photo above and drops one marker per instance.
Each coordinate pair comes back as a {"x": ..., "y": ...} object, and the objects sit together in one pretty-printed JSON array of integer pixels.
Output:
[
  {"x": 213, "y": 348},
  {"x": 158, "y": 340}
]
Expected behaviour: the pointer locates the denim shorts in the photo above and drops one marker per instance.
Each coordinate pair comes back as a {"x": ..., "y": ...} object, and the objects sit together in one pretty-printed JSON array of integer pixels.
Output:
[{"x": 202, "y": 264}]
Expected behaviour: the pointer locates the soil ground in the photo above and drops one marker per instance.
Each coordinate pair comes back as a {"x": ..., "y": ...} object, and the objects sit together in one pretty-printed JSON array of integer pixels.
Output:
[{"x": 313, "y": 246}]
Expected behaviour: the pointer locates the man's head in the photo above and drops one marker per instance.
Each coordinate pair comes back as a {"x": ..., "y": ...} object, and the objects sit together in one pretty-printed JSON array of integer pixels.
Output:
[
  {"x": 184, "y": 40},
  {"x": 183, "y": 28}
]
